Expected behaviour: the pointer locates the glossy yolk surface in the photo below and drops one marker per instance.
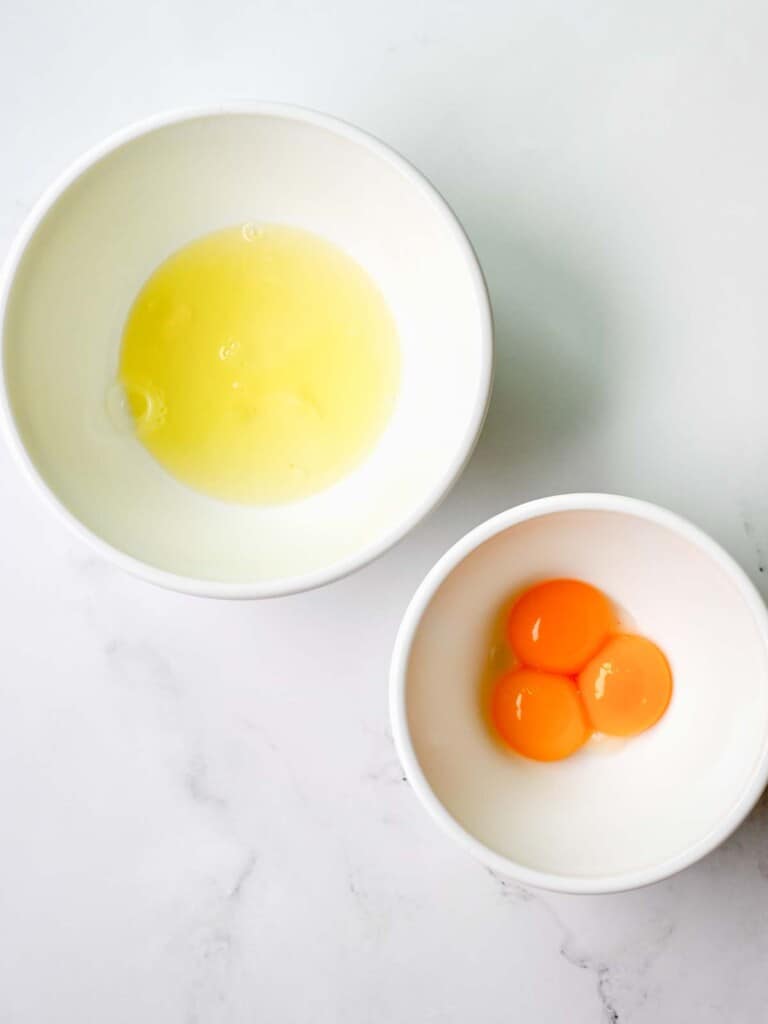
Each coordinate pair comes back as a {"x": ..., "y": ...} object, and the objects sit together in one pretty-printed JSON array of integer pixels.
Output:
[
  {"x": 557, "y": 626},
  {"x": 539, "y": 714},
  {"x": 626, "y": 687}
]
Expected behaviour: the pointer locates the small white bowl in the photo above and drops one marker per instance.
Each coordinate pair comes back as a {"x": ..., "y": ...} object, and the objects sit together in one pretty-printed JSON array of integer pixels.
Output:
[
  {"x": 118, "y": 212},
  {"x": 618, "y": 814}
]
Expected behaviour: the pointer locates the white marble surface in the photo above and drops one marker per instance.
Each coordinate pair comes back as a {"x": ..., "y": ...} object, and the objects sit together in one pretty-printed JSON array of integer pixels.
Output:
[{"x": 203, "y": 820}]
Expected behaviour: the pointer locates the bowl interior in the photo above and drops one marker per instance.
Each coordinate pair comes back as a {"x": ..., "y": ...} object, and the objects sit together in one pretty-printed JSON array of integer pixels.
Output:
[
  {"x": 110, "y": 228},
  {"x": 617, "y": 806}
]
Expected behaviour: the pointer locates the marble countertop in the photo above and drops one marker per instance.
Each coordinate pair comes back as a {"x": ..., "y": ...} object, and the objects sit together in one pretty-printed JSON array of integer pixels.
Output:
[{"x": 204, "y": 821}]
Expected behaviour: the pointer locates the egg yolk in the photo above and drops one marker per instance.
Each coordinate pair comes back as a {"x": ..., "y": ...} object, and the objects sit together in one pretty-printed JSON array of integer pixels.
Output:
[
  {"x": 626, "y": 687},
  {"x": 539, "y": 714},
  {"x": 557, "y": 626}
]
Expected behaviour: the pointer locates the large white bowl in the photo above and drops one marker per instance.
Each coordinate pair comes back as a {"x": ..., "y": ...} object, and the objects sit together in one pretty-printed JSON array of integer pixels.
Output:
[
  {"x": 92, "y": 241},
  {"x": 618, "y": 814}
]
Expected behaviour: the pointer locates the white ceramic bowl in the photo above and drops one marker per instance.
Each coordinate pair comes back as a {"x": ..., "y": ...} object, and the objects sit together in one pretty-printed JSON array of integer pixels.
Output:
[
  {"x": 618, "y": 814},
  {"x": 95, "y": 237}
]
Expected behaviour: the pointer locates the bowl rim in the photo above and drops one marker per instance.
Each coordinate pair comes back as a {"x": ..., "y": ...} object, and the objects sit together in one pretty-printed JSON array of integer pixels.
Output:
[
  {"x": 754, "y": 784},
  {"x": 199, "y": 586}
]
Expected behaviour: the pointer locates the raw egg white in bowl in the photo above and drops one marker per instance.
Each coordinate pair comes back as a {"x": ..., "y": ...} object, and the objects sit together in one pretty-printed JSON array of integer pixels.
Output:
[
  {"x": 92, "y": 242},
  {"x": 618, "y": 814}
]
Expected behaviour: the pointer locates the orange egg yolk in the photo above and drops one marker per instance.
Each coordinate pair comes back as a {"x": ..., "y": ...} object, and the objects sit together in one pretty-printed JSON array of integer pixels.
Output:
[
  {"x": 626, "y": 687},
  {"x": 539, "y": 714},
  {"x": 559, "y": 625}
]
